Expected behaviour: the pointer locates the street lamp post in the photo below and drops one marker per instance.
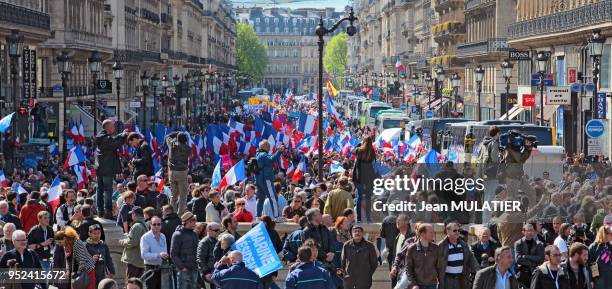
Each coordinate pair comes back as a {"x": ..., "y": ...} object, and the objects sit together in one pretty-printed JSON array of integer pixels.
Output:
[
  {"x": 415, "y": 79},
  {"x": 15, "y": 47},
  {"x": 542, "y": 59},
  {"x": 64, "y": 67},
  {"x": 95, "y": 62},
  {"x": 154, "y": 84},
  {"x": 430, "y": 82},
  {"x": 456, "y": 83},
  {"x": 165, "y": 84},
  {"x": 479, "y": 76},
  {"x": 118, "y": 73},
  {"x": 189, "y": 78},
  {"x": 441, "y": 76},
  {"x": 321, "y": 31},
  {"x": 596, "y": 46},
  {"x": 145, "y": 90},
  {"x": 177, "y": 98},
  {"x": 507, "y": 67}
]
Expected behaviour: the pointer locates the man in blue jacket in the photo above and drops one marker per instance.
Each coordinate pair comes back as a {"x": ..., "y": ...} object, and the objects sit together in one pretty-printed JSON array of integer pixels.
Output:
[
  {"x": 231, "y": 273},
  {"x": 264, "y": 179},
  {"x": 307, "y": 274}
]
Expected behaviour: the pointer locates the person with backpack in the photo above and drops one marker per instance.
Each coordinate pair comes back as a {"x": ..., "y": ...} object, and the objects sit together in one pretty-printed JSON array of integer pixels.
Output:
[{"x": 488, "y": 162}]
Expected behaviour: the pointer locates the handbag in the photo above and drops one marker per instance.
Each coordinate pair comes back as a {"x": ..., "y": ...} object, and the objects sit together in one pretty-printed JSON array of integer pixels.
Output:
[{"x": 82, "y": 281}]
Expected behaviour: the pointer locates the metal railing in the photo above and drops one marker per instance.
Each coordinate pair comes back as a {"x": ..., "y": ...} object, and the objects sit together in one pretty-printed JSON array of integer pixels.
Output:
[
  {"x": 136, "y": 56},
  {"x": 84, "y": 37},
  {"x": 73, "y": 91},
  {"x": 482, "y": 47},
  {"x": 587, "y": 15},
  {"x": 23, "y": 16},
  {"x": 472, "y": 4}
]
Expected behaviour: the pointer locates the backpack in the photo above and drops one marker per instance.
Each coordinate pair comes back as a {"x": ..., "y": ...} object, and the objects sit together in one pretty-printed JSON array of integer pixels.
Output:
[{"x": 252, "y": 166}]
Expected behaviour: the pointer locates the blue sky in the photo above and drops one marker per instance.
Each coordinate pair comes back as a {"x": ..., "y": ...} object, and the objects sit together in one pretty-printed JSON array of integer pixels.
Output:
[{"x": 338, "y": 4}]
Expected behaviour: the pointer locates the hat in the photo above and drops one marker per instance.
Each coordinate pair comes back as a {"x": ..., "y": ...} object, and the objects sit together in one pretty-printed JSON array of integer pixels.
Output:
[
  {"x": 136, "y": 209},
  {"x": 187, "y": 216},
  {"x": 608, "y": 219}
]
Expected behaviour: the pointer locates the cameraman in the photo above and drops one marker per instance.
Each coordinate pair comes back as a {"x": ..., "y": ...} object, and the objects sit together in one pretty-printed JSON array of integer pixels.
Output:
[{"x": 516, "y": 151}]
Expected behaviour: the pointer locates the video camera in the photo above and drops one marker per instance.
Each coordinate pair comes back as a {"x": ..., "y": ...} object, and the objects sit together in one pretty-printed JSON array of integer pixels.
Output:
[{"x": 516, "y": 140}]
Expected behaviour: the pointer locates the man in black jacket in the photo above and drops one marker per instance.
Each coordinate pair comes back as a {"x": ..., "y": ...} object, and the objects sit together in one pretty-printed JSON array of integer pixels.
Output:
[
  {"x": 143, "y": 161},
  {"x": 88, "y": 220},
  {"x": 184, "y": 251},
  {"x": 170, "y": 222},
  {"x": 484, "y": 245},
  {"x": 178, "y": 167},
  {"x": 7, "y": 217},
  {"x": 205, "y": 258},
  {"x": 40, "y": 239},
  {"x": 21, "y": 257},
  {"x": 550, "y": 275},
  {"x": 320, "y": 234},
  {"x": 529, "y": 254},
  {"x": 100, "y": 253},
  {"x": 107, "y": 165}
]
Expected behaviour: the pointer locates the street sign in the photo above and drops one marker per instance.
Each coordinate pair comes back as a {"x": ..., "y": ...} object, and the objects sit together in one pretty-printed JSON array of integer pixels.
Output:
[
  {"x": 589, "y": 87},
  {"x": 104, "y": 86},
  {"x": 594, "y": 128},
  {"x": 600, "y": 106},
  {"x": 429, "y": 114},
  {"x": 529, "y": 100},
  {"x": 517, "y": 55},
  {"x": 576, "y": 87},
  {"x": 595, "y": 146},
  {"x": 134, "y": 104},
  {"x": 150, "y": 102},
  {"x": 403, "y": 106},
  {"x": 40, "y": 141},
  {"x": 535, "y": 79},
  {"x": 558, "y": 95}
]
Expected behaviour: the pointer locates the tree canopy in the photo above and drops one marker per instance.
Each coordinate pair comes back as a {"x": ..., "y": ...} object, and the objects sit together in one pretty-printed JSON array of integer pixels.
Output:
[
  {"x": 251, "y": 53},
  {"x": 336, "y": 55}
]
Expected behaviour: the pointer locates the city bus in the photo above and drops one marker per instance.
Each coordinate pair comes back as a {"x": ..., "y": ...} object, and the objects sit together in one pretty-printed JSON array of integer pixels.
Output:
[
  {"x": 369, "y": 114},
  {"x": 431, "y": 127},
  {"x": 361, "y": 107},
  {"x": 390, "y": 118}
]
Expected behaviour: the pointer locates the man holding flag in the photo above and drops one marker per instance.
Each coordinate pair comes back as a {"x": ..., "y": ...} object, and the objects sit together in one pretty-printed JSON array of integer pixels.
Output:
[
  {"x": 264, "y": 177},
  {"x": 107, "y": 165}
]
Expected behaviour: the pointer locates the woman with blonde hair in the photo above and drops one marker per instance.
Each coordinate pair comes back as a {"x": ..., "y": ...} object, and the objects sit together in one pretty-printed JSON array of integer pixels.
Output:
[
  {"x": 79, "y": 262},
  {"x": 600, "y": 258}
]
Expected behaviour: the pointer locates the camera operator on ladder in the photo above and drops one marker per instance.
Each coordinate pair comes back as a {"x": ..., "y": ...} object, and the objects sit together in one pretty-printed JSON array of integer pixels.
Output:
[{"x": 515, "y": 151}]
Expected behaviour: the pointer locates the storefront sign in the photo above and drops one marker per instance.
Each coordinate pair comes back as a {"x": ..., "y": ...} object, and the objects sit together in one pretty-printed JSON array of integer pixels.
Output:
[
  {"x": 529, "y": 100},
  {"x": 558, "y": 95}
]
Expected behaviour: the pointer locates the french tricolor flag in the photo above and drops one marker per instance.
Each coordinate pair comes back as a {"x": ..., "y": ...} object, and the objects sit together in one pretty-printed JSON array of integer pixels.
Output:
[
  {"x": 331, "y": 110},
  {"x": 159, "y": 180},
  {"x": 55, "y": 192},
  {"x": 299, "y": 171},
  {"x": 74, "y": 133},
  {"x": 3, "y": 181},
  {"x": 308, "y": 124},
  {"x": 290, "y": 171},
  {"x": 75, "y": 157},
  {"x": 235, "y": 174},
  {"x": 81, "y": 130},
  {"x": 415, "y": 143}
]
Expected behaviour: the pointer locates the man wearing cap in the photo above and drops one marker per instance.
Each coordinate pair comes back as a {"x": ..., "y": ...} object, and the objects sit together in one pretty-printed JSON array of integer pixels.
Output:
[
  {"x": 178, "y": 166},
  {"x": 184, "y": 252},
  {"x": 107, "y": 165},
  {"x": 131, "y": 244}
]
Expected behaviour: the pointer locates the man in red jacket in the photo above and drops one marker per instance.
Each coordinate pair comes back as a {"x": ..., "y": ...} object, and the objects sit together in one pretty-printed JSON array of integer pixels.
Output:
[{"x": 28, "y": 213}]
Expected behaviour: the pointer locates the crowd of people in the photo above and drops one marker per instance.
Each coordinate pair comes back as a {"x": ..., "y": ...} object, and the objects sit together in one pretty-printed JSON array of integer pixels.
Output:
[{"x": 179, "y": 226}]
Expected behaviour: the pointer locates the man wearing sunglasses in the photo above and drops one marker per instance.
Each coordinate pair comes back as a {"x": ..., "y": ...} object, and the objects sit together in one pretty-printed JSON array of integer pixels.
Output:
[
  {"x": 460, "y": 261},
  {"x": 205, "y": 258},
  {"x": 153, "y": 251}
]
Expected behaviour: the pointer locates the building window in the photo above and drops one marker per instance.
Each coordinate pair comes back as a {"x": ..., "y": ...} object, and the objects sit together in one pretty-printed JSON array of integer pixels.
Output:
[
  {"x": 275, "y": 20},
  {"x": 276, "y": 30},
  {"x": 286, "y": 29},
  {"x": 524, "y": 73},
  {"x": 257, "y": 20},
  {"x": 267, "y": 20},
  {"x": 605, "y": 68}
]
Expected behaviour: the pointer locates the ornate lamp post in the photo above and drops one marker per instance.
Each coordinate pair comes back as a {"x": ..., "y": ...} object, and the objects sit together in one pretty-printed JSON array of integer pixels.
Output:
[
  {"x": 118, "y": 73},
  {"x": 15, "y": 47},
  {"x": 165, "y": 84},
  {"x": 95, "y": 62},
  {"x": 177, "y": 98},
  {"x": 596, "y": 47},
  {"x": 155, "y": 82},
  {"x": 64, "y": 67},
  {"x": 440, "y": 77},
  {"x": 456, "y": 83},
  {"x": 507, "y": 67},
  {"x": 321, "y": 31},
  {"x": 542, "y": 59},
  {"x": 430, "y": 82},
  {"x": 145, "y": 90},
  {"x": 479, "y": 76},
  {"x": 415, "y": 79}
]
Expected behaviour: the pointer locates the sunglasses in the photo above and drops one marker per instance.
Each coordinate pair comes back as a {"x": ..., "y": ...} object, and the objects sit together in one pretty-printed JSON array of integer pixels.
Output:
[
  {"x": 156, "y": 224},
  {"x": 240, "y": 204},
  {"x": 455, "y": 231}
]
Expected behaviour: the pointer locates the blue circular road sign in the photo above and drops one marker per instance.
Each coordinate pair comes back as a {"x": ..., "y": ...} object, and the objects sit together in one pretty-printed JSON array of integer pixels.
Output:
[
  {"x": 429, "y": 114},
  {"x": 403, "y": 106},
  {"x": 594, "y": 128}
]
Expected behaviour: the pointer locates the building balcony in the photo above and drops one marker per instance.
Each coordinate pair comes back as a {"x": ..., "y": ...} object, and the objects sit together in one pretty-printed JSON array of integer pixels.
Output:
[
  {"x": 448, "y": 30},
  {"x": 73, "y": 91},
  {"x": 443, "y": 60},
  {"x": 471, "y": 5},
  {"x": 23, "y": 16},
  {"x": 443, "y": 5},
  {"x": 137, "y": 56},
  {"x": 84, "y": 38},
  {"x": 592, "y": 14},
  {"x": 482, "y": 47},
  {"x": 403, "y": 3}
]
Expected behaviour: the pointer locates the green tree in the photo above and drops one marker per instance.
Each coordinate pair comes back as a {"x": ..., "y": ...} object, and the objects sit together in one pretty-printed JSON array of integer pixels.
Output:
[
  {"x": 335, "y": 59},
  {"x": 251, "y": 53}
]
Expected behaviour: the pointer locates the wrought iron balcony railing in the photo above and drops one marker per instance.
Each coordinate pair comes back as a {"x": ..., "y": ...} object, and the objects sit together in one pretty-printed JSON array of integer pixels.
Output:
[
  {"x": 23, "y": 16},
  {"x": 482, "y": 47},
  {"x": 587, "y": 15}
]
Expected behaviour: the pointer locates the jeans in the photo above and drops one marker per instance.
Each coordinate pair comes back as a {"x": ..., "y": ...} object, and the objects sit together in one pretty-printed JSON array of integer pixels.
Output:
[
  {"x": 452, "y": 283},
  {"x": 180, "y": 190},
  {"x": 187, "y": 279},
  {"x": 104, "y": 195},
  {"x": 45, "y": 266},
  {"x": 363, "y": 196}
]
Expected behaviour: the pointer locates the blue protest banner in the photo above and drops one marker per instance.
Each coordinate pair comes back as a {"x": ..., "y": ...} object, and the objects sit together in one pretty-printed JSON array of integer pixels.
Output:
[{"x": 258, "y": 252}]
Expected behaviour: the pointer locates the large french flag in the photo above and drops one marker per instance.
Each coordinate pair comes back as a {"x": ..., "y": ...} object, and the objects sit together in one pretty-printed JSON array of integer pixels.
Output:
[
  {"x": 3, "y": 181},
  {"x": 55, "y": 191},
  {"x": 235, "y": 174},
  {"x": 299, "y": 172},
  {"x": 331, "y": 110},
  {"x": 308, "y": 124},
  {"x": 75, "y": 157},
  {"x": 290, "y": 171},
  {"x": 81, "y": 174}
]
